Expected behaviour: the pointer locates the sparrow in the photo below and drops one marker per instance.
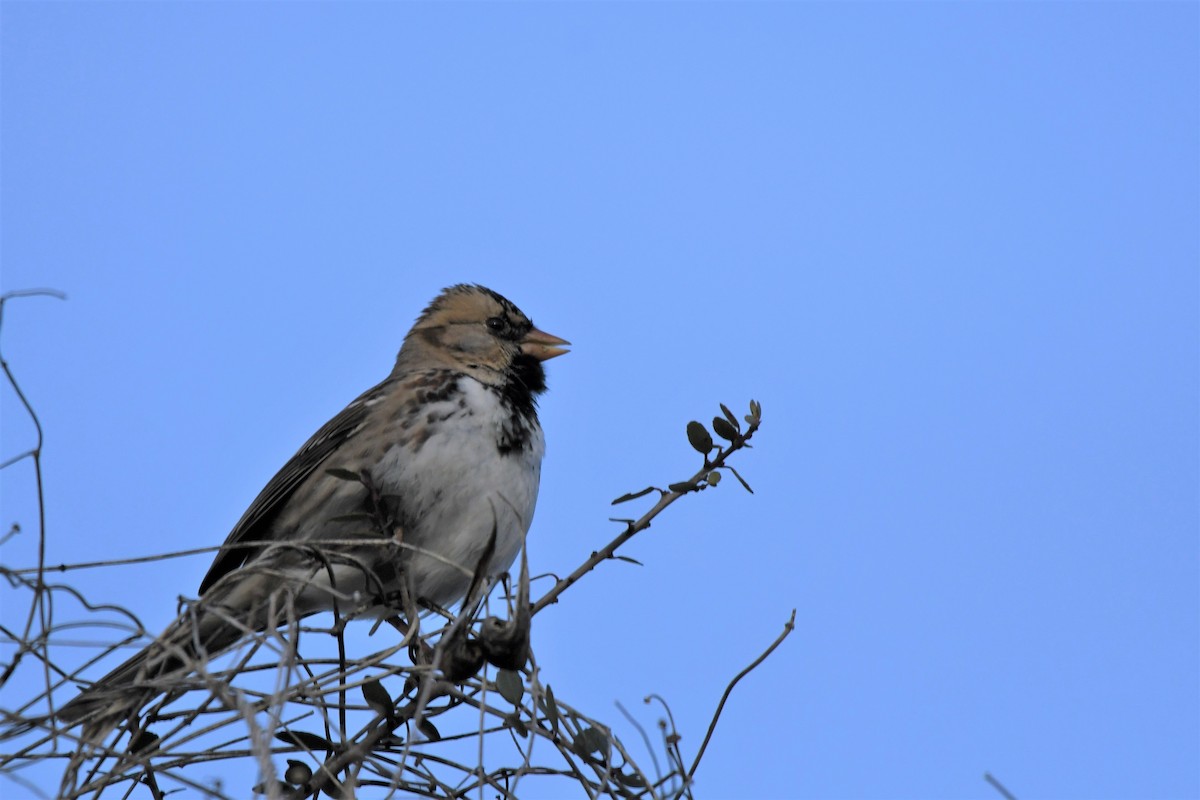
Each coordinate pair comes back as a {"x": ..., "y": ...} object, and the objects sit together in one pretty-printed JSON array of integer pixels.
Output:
[{"x": 417, "y": 486}]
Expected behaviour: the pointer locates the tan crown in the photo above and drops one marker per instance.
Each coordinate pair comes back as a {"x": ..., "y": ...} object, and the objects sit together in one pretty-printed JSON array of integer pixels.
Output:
[{"x": 476, "y": 330}]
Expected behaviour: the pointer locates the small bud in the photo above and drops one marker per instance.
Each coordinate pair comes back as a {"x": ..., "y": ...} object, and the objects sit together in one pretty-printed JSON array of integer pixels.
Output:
[{"x": 298, "y": 773}]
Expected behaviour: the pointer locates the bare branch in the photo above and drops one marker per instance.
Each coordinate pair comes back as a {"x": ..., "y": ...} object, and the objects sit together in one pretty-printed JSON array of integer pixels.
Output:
[
  {"x": 788, "y": 627},
  {"x": 296, "y": 701},
  {"x": 697, "y": 482},
  {"x": 999, "y": 787}
]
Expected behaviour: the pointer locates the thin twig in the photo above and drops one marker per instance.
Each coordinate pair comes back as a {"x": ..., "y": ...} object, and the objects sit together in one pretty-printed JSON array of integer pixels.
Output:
[
  {"x": 38, "y": 605},
  {"x": 999, "y": 787},
  {"x": 788, "y": 627},
  {"x": 212, "y": 711}
]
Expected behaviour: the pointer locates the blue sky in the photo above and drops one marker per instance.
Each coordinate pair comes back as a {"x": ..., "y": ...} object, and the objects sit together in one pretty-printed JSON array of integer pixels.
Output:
[{"x": 952, "y": 248}]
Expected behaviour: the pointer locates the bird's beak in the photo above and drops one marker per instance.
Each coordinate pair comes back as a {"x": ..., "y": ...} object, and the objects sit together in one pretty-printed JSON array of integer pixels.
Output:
[{"x": 542, "y": 346}]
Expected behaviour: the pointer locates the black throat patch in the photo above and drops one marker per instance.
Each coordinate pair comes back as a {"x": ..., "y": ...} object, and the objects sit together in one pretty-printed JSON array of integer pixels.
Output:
[{"x": 518, "y": 395}]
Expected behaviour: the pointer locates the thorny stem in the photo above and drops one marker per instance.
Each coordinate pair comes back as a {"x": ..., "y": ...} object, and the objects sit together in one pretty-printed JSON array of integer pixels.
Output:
[{"x": 633, "y": 528}]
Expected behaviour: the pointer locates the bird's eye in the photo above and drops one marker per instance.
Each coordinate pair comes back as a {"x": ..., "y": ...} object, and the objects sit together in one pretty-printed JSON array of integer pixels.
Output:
[{"x": 495, "y": 324}]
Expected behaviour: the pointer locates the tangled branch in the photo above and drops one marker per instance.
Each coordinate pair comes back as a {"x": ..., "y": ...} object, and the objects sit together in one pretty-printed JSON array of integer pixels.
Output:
[{"x": 452, "y": 706}]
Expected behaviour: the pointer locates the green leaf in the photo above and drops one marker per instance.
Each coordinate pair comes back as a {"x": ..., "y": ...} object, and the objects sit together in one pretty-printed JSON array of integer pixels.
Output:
[
  {"x": 377, "y": 697},
  {"x": 625, "y": 498},
  {"x": 630, "y": 560},
  {"x": 549, "y": 707},
  {"x": 304, "y": 740},
  {"x": 511, "y": 687},
  {"x": 429, "y": 730},
  {"x": 591, "y": 740},
  {"x": 699, "y": 437},
  {"x": 682, "y": 488},
  {"x": 724, "y": 429},
  {"x": 740, "y": 479},
  {"x": 515, "y": 722},
  {"x": 713, "y": 478},
  {"x": 729, "y": 416},
  {"x": 344, "y": 474}
]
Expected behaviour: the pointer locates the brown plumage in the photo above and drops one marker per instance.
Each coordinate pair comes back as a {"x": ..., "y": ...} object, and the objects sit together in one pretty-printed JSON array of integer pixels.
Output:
[{"x": 450, "y": 438}]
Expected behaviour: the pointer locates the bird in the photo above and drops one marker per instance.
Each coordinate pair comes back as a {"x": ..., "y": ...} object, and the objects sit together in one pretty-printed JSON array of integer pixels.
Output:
[{"x": 420, "y": 484}]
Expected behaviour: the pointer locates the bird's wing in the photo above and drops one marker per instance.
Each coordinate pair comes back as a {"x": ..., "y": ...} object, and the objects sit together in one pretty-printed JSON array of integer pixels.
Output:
[{"x": 255, "y": 524}]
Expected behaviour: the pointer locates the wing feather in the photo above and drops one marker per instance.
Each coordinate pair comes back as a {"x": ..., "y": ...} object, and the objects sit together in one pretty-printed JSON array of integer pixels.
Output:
[{"x": 255, "y": 524}]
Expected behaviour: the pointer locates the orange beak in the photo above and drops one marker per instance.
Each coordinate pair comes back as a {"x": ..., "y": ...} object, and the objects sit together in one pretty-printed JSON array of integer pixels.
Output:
[{"x": 542, "y": 346}]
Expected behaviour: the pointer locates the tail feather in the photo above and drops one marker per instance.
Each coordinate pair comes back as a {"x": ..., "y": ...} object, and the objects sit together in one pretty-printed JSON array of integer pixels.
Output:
[
  {"x": 119, "y": 693},
  {"x": 155, "y": 670},
  {"x": 244, "y": 601}
]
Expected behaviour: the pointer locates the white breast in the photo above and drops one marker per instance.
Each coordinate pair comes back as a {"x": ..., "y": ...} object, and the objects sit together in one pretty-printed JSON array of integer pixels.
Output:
[{"x": 458, "y": 486}]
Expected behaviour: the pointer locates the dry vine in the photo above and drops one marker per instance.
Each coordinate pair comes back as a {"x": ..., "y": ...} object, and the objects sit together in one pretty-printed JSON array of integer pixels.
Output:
[{"x": 423, "y": 716}]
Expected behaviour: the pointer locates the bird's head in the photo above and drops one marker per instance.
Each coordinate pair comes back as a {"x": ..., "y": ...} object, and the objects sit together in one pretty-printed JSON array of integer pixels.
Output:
[{"x": 475, "y": 330}]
